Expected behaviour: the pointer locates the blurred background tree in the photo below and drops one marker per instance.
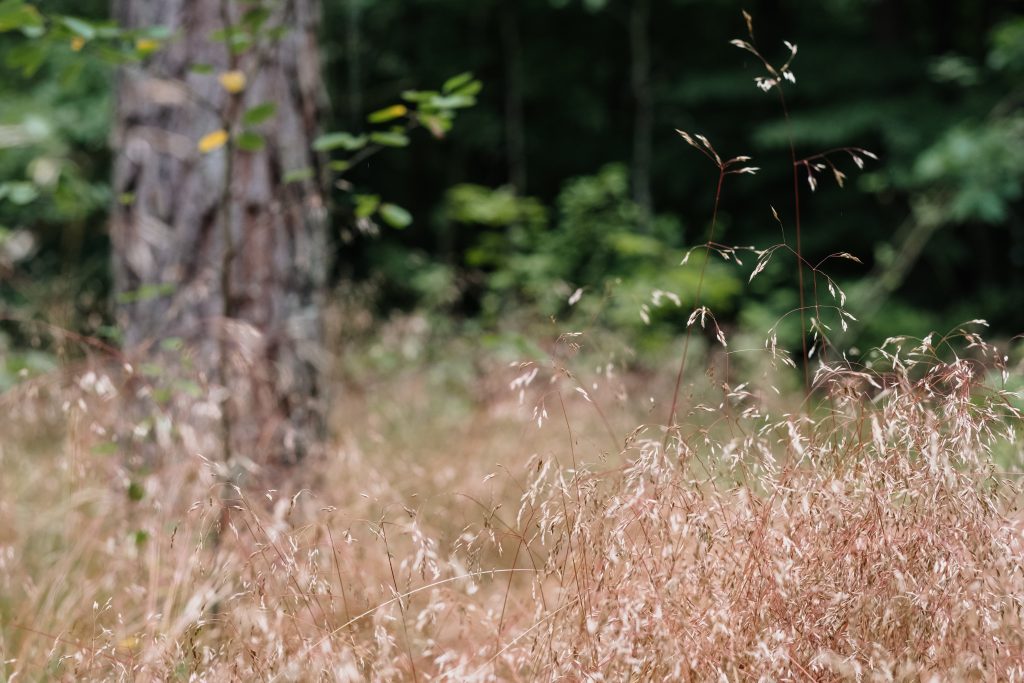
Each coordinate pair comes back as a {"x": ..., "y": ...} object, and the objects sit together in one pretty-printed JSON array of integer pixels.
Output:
[
  {"x": 568, "y": 173},
  {"x": 216, "y": 243}
]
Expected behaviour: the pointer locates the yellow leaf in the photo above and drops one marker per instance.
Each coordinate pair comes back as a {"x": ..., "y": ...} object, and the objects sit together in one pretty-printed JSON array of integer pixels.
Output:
[
  {"x": 213, "y": 141},
  {"x": 147, "y": 45},
  {"x": 77, "y": 43},
  {"x": 233, "y": 81},
  {"x": 393, "y": 112}
]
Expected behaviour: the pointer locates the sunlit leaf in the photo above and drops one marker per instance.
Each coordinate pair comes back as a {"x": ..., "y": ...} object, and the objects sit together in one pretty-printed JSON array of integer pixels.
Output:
[
  {"x": 366, "y": 204},
  {"x": 456, "y": 82},
  {"x": 469, "y": 89},
  {"x": 391, "y": 113},
  {"x": 79, "y": 27},
  {"x": 395, "y": 216},
  {"x": 15, "y": 15},
  {"x": 340, "y": 140},
  {"x": 453, "y": 102},
  {"x": 146, "y": 46},
  {"x": 232, "y": 81},
  {"x": 391, "y": 139},
  {"x": 213, "y": 141},
  {"x": 418, "y": 96}
]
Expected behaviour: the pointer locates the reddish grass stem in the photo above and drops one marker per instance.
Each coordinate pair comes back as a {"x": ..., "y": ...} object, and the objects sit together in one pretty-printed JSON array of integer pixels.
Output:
[
  {"x": 700, "y": 285},
  {"x": 799, "y": 246}
]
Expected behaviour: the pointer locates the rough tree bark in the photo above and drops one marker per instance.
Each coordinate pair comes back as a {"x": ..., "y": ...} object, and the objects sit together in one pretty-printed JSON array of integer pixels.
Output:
[{"x": 217, "y": 249}]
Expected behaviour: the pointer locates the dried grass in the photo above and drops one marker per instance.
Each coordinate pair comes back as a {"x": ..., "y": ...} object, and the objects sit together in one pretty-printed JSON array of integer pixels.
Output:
[{"x": 871, "y": 539}]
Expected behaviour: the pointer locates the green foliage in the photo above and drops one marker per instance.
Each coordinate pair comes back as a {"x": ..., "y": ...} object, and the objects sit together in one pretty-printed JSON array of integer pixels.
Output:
[
  {"x": 978, "y": 169},
  {"x": 432, "y": 110},
  {"x": 936, "y": 94},
  {"x": 1007, "y": 51},
  {"x": 932, "y": 93},
  {"x": 594, "y": 245},
  {"x": 341, "y": 140},
  {"x": 395, "y": 216},
  {"x": 16, "y": 15}
]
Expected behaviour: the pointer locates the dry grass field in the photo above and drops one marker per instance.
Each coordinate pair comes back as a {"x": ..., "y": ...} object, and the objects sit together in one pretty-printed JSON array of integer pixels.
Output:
[{"x": 534, "y": 522}]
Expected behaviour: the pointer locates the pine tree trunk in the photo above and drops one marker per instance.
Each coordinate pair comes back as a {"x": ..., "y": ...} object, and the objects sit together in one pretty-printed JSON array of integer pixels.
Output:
[{"x": 216, "y": 249}]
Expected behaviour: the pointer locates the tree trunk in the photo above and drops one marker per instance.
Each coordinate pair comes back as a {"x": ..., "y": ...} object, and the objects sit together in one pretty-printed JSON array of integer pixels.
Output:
[{"x": 216, "y": 249}]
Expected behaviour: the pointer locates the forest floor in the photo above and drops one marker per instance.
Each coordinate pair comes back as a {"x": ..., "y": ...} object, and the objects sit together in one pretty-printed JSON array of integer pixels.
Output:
[{"x": 475, "y": 518}]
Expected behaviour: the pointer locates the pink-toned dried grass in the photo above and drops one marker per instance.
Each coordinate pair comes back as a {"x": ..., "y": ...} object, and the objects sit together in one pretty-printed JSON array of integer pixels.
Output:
[{"x": 871, "y": 538}]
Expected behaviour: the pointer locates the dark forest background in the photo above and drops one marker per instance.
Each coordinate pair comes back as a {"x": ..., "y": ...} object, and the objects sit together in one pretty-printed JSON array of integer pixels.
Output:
[{"x": 568, "y": 172}]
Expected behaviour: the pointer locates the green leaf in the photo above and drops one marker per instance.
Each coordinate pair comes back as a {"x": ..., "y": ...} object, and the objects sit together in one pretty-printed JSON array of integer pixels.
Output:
[
  {"x": 18, "y": 15},
  {"x": 79, "y": 27},
  {"x": 136, "y": 492},
  {"x": 456, "y": 82},
  {"x": 453, "y": 102},
  {"x": 395, "y": 216},
  {"x": 339, "y": 166},
  {"x": 202, "y": 69},
  {"x": 298, "y": 175},
  {"x": 395, "y": 111},
  {"x": 392, "y": 139},
  {"x": 339, "y": 140},
  {"x": 366, "y": 204},
  {"x": 471, "y": 89},
  {"x": 27, "y": 57},
  {"x": 258, "y": 114},
  {"x": 417, "y": 96},
  {"x": 248, "y": 141}
]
